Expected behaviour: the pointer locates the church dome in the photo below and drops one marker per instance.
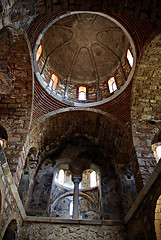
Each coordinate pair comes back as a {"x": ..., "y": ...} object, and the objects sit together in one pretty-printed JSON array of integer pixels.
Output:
[{"x": 84, "y": 58}]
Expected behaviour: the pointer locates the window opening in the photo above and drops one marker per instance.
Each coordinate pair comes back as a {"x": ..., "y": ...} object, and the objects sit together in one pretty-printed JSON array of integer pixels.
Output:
[
  {"x": 158, "y": 151},
  {"x": 82, "y": 93},
  {"x": 130, "y": 58},
  {"x": 93, "y": 179},
  {"x": 39, "y": 52},
  {"x": 71, "y": 209},
  {"x": 1, "y": 142},
  {"x": 53, "y": 82},
  {"x": 61, "y": 176},
  {"x": 62, "y": 195},
  {"x": 112, "y": 85}
]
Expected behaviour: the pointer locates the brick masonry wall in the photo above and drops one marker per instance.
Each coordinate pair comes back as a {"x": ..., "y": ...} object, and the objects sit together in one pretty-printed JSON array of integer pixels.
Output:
[
  {"x": 146, "y": 105},
  {"x": 15, "y": 106},
  {"x": 101, "y": 127},
  {"x": 150, "y": 10}
]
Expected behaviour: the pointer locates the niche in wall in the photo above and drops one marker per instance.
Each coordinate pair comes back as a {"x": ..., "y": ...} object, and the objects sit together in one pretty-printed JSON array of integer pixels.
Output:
[{"x": 53, "y": 188}]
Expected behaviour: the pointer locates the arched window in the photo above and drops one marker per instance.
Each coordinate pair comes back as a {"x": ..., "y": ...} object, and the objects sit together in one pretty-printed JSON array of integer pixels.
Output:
[
  {"x": 156, "y": 147},
  {"x": 158, "y": 151},
  {"x": 82, "y": 93},
  {"x": 93, "y": 179},
  {"x": 63, "y": 193},
  {"x": 112, "y": 84},
  {"x": 1, "y": 142},
  {"x": 53, "y": 81},
  {"x": 71, "y": 209},
  {"x": 61, "y": 176},
  {"x": 130, "y": 58},
  {"x": 39, "y": 52}
]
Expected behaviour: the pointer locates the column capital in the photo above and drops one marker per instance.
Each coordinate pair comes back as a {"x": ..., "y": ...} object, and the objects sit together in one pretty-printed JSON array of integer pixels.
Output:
[{"x": 76, "y": 178}]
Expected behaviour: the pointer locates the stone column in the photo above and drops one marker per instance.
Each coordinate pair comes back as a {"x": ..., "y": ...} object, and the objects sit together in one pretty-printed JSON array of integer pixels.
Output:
[{"x": 76, "y": 180}]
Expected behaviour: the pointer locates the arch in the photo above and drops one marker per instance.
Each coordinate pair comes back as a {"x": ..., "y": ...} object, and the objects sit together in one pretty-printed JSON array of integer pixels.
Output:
[
  {"x": 94, "y": 209},
  {"x": 81, "y": 194},
  {"x": 12, "y": 223},
  {"x": 11, "y": 231},
  {"x": 78, "y": 122},
  {"x": 102, "y": 128}
]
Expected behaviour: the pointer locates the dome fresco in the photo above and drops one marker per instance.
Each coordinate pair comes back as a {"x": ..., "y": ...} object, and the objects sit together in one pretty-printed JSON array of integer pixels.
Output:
[{"x": 84, "y": 50}]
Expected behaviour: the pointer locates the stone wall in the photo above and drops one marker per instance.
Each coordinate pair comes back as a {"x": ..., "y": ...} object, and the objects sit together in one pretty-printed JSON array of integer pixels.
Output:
[
  {"x": 146, "y": 101},
  {"x": 44, "y": 231}
]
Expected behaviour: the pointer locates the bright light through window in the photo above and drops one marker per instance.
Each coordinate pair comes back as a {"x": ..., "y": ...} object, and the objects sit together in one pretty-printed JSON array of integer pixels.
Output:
[
  {"x": 130, "y": 58},
  {"x": 53, "y": 82},
  {"x": 38, "y": 54},
  {"x": 50, "y": 83},
  {"x": 1, "y": 143},
  {"x": 71, "y": 209},
  {"x": 61, "y": 177},
  {"x": 112, "y": 85},
  {"x": 93, "y": 179},
  {"x": 158, "y": 151},
  {"x": 82, "y": 93}
]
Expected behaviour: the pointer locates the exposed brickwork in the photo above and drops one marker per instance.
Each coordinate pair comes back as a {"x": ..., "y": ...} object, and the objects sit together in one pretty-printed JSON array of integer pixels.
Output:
[
  {"x": 120, "y": 106},
  {"x": 146, "y": 102},
  {"x": 95, "y": 124},
  {"x": 122, "y": 110},
  {"x": 16, "y": 107},
  {"x": 150, "y": 11},
  {"x": 43, "y": 102}
]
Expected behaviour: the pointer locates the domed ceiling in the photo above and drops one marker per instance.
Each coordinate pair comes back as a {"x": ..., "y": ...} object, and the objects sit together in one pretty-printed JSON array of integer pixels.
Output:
[{"x": 83, "y": 49}]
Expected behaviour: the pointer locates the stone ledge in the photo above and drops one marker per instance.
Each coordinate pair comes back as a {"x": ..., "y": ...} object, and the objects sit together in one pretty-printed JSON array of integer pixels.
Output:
[
  {"x": 52, "y": 220},
  {"x": 143, "y": 192}
]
